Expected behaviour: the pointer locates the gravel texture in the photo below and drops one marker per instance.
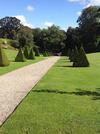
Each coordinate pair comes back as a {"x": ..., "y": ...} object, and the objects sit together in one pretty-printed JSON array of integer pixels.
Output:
[{"x": 14, "y": 86}]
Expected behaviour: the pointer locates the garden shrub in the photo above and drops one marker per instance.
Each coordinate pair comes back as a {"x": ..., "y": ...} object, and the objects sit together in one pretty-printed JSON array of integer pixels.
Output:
[
  {"x": 81, "y": 59},
  {"x": 3, "y": 58},
  {"x": 31, "y": 54},
  {"x": 20, "y": 56},
  {"x": 45, "y": 54}
]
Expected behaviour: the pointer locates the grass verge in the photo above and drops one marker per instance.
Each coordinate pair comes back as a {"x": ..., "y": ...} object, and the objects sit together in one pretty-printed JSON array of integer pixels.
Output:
[
  {"x": 65, "y": 101},
  {"x": 11, "y": 54}
]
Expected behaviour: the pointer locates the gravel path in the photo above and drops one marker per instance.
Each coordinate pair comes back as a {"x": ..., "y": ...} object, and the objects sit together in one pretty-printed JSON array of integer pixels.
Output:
[{"x": 14, "y": 86}]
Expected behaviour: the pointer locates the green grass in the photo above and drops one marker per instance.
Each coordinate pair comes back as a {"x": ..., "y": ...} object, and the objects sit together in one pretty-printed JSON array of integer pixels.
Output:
[
  {"x": 65, "y": 101},
  {"x": 11, "y": 54}
]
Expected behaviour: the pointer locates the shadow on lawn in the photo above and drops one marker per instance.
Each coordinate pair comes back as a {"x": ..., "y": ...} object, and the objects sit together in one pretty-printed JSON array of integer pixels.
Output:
[
  {"x": 65, "y": 66},
  {"x": 80, "y": 92}
]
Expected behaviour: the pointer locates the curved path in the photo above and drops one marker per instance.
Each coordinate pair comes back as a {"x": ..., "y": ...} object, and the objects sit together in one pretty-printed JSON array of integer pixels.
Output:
[{"x": 14, "y": 86}]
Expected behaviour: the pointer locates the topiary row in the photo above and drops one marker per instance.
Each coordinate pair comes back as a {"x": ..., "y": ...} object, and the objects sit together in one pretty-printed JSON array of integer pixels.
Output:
[
  {"x": 78, "y": 57},
  {"x": 26, "y": 54}
]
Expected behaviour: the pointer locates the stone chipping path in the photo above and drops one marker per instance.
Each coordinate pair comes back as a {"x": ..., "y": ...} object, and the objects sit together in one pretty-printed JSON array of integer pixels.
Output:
[{"x": 14, "y": 86}]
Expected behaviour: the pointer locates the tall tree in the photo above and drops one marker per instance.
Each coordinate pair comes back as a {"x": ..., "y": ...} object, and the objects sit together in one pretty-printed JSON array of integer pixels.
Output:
[
  {"x": 73, "y": 38},
  {"x": 9, "y": 26},
  {"x": 89, "y": 27},
  {"x": 25, "y": 37}
]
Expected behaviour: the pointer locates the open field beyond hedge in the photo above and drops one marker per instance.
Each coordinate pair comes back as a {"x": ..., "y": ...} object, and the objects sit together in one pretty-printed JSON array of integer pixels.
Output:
[
  {"x": 11, "y": 54},
  {"x": 65, "y": 101}
]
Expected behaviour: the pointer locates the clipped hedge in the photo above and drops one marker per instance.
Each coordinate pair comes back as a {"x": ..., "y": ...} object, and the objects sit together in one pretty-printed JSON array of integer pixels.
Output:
[
  {"x": 81, "y": 59},
  {"x": 3, "y": 58},
  {"x": 31, "y": 54},
  {"x": 20, "y": 56}
]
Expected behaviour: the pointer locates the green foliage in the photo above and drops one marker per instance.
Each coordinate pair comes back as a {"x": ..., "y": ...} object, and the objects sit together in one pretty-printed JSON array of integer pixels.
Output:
[
  {"x": 9, "y": 27},
  {"x": 31, "y": 54},
  {"x": 9, "y": 43},
  {"x": 73, "y": 38},
  {"x": 88, "y": 26},
  {"x": 68, "y": 52},
  {"x": 20, "y": 56},
  {"x": 45, "y": 54},
  {"x": 49, "y": 54},
  {"x": 25, "y": 36},
  {"x": 63, "y": 102},
  {"x": 3, "y": 58},
  {"x": 26, "y": 52},
  {"x": 11, "y": 54},
  {"x": 36, "y": 50},
  {"x": 50, "y": 39},
  {"x": 81, "y": 59},
  {"x": 71, "y": 58}
]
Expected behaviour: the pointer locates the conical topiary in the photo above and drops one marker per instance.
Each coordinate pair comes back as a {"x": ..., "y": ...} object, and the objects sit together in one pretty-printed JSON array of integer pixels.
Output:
[
  {"x": 36, "y": 50},
  {"x": 26, "y": 52},
  {"x": 82, "y": 60},
  {"x": 31, "y": 54},
  {"x": 20, "y": 56},
  {"x": 3, "y": 58},
  {"x": 76, "y": 57}
]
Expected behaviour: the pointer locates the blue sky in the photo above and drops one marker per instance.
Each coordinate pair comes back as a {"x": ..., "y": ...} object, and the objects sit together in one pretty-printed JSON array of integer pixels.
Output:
[{"x": 43, "y": 13}]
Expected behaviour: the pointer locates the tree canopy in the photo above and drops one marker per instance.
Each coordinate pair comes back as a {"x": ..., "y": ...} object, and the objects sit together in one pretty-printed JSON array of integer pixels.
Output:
[
  {"x": 89, "y": 27},
  {"x": 9, "y": 26}
]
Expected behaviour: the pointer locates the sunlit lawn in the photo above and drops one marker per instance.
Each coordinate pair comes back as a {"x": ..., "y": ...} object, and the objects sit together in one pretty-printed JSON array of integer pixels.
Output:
[
  {"x": 11, "y": 54},
  {"x": 65, "y": 101}
]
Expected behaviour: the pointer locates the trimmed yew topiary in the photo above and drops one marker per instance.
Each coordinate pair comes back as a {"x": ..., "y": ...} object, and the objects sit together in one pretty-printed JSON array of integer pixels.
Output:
[
  {"x": 31, "y": 54},
  {"x": 26, "y": 52},
  {"x": 20, "y": 56},
  {"x": 81, "y": 59},
  {"x": 3, "y": 58}
]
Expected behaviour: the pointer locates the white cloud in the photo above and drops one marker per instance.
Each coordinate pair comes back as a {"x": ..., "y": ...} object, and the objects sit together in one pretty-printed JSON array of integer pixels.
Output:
[
  {"x": 94, "y": 2},
  {"x": 30, "y": 8},
  {"x": 24, "y": 21},
  {"x": 79, "y": 13},
  {"x": 75, "y": 0},
  {"x": 48, "y": 24},
  {"x": 78, "y": 1},
  {"x": 86, "y": 3},
  {"x": 63, "y": 28}
]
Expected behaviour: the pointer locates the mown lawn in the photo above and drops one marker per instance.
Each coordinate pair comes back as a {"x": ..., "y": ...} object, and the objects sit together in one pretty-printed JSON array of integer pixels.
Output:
[
  {"x": 11, "y": 54},
  {"x": 65, "y": 101}
]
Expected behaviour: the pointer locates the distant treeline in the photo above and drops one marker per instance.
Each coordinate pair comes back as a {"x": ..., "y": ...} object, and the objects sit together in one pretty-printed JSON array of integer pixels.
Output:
[{"x": 53, "y": 39}]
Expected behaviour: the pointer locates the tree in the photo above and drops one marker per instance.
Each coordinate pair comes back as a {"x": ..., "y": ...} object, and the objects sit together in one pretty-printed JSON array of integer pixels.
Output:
[
  {"x": 36, "y": 50},
  {"x": 37, "y": 38},
  {"x": 25, "y": 37},
  {"x": 9, "y": 26},
  {"x": 73, "y": 38},
  {"x": 89, "y": 25},
  {"x": 26, "y": 52},
  {"x": 53, "y": 39}
]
